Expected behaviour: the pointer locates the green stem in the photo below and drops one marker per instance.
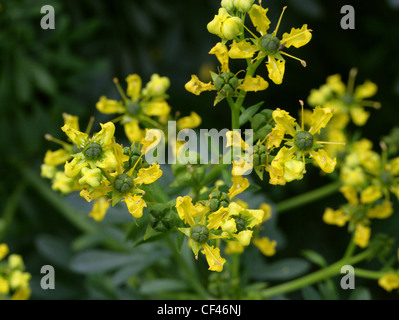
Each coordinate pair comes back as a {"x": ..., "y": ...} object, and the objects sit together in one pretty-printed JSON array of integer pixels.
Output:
[
  {"x": 369, "y": 274},
  {"x": 308, "y": 197},
  {"x": 235, "y": 270},
  {"x": 351, "y": 248},
  {"x": 235, "y": 114},
  {"x": 190, "y": 276},
  {"x": 315, "y": 277},
  {"x": 11, "y": 208}
]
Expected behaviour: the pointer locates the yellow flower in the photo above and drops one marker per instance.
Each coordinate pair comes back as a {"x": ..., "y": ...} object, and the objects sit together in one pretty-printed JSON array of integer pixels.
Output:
[
  {"x": 200, "y": 232},
  {"x": 239, "y": 185},
  {"x": 336, "y": 217},
  {"x": 191, "y": 121},
  {"x": 3, "y": 250},
  {"x": 94, "y": 152},
  {"x": 15, "y": 261},
  {"x": 362, "y": 235},
  {"x": 4, "y": 286},
  {"x": 269, "y": 45},
  {"x": 225, "y": 26},
  {"x": 64, "y": 184},
  {"x": 390, "y": 281},
  {"x": 233, "y": 247},
  {"x": 100, "y": 208},
  {"x": 226, "y": 83},
  {"x": 21, "y": 294},
  {"x": 267, "y": 247},
  {"x": 285, "y": 166},
  {"x": 346, "y": 99},
  {"x": 135, "y": 204},
  {"x": 145, "y": 107},
  {"x": 19, "y": 279},
  {"x": 381, "y": 211}
]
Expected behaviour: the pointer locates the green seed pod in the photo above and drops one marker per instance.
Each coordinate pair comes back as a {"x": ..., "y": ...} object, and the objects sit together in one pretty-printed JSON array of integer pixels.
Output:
[
  {"x": 263, "y": 158},
  {"x": 216, "y": 194},
  {"x": 199, "y": 233},
  {"x": 133, "y": 107},
  {"x": 162, "y": 217},
  {"x": 214, "y": 204},
  {"x": 303, "y": 140},
  {"x": 256, "y": 160},
  {"x": 93, "y": 151},
  {"x": 240, "y": 223},
  {"x": 269, "y": 44},
  {"x": 219, "y": 83},
  {"x": 123, "y": 183}
]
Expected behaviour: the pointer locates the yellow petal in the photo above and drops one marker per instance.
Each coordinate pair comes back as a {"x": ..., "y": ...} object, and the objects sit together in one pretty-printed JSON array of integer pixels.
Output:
[
  {"x": 239, "y": 185},
  {"x": 221, "y": 53},
  {"x": 105, "y": 135},
  {"x": 336, "y": 217},
  {"x": 187, "y": 211},
  {"x": 3, "y": 250},
  {"x": 133, "y": 131},
  {"x": 100, "y": 208},
  {"x": 394, "y": 163},
  {"x": 323, "y": 160},
  {"x": 73, "y": 167},
  {"x": 267, "y": 247},
  {"x": 253, "y": 84},
  {"x": 21, "y": 294},
  {"x": 370, "y": 194},
  {"x": 319, "y": 119},
  {"x": 381, "y": 211},
  {"x": 92, "y": 177},
  {"x": 189, "y": 122},
  {"x": 267, "y": 211},
  {"x": 108, "y": 106},
  {"x": 156, "y": 108},
  {"x": 133, "y": 86},
  {"x": 4, "y": 286},
  {"x": 275, "y": 137},
  {"x": 276, "y": 69},
  {"x": 215, "y": 261},
  {"x": 244, "y": 237},
  {"x": 148, "y": 175},
  {"x": 359, "y": 115},
  {"x": 389, "y": 282},
  {"x": 63, "y": 183},
  {"x": 259, "y": 18},
  {"x": 365, "y": 90},
  {"x": 362, "y": 235},
  {"x": 233, "y": 247},
  {"x": 135, "y": 204},
  {"x": 242, "y": 50},
  {"x": 335, "y": 83},
  {"x": 297, "y": 37},
  {"x": 196, "y": 86},
  {"x": 77, "y": 137},
  {"x": 293, "y": 170},
  {"x": 215, "y": 26},
  {"x": 70, "y": 120},
  {"x": 350, "y": 194},
  {"x": 217, "y": 219},
  {"x": 284, "y": 121},
  {"x": 55, "y": 158}
]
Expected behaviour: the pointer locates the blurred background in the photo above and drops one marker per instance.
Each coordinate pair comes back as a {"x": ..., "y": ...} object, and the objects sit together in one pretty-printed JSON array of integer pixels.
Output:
[{"x": 44, "y": 73}]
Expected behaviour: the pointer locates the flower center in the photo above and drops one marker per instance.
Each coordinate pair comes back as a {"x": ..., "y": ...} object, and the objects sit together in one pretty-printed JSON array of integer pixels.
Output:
[
  {"x": 200, "y": 233},
  {"x": 93, "y": 151},
  {"x": 240, "y": 223},
  {"x": 386, "y": 178},
  {"x": 269, "y": 44},
  {"x": 226, "y": 83},
  {"x": 133, "y": 107},
  {"x": 303, "y": 140},
  {"x": 123, "y": 183}
]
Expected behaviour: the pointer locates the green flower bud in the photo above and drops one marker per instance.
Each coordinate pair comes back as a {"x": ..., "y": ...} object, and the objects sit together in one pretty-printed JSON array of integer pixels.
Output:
[
  {"x": 162, "y": 217},
  {"x": 133, "y": 107},
  {"x": 303, "y": 140},
  {"x": 228, "y": 5},
  {"x": 123, "y": 183},
  {"x": 93, "y": 151},
  {"x": 386, "y": 178},
  {"x": 218, "y": 200},
  {"x": 269, "y": 44},
  {"x": 243, "y": 5},
  {"x": 263, "y": 159},
  {"x": 199, "y": 233},
  {"x": 256, "y": 160}
]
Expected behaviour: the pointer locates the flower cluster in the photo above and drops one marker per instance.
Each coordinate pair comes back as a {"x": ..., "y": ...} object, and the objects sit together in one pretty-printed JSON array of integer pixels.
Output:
[
  {"x": 368, "y": 180},
  {"x": 14, "y": 281},
  {"x": 222, "y": 217}
]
